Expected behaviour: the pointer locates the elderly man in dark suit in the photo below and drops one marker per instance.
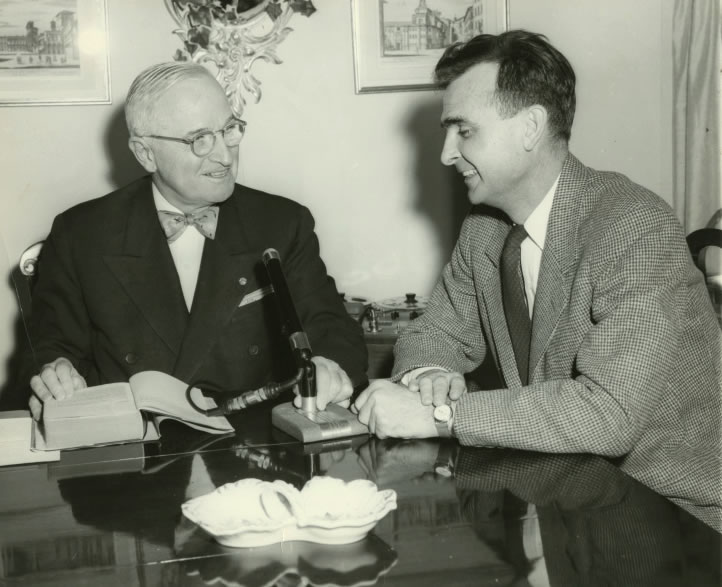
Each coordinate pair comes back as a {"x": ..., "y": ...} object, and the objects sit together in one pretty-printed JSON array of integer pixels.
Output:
[
  {"x": 578, "y": 283},
  {"x": 166, "y": 273}
]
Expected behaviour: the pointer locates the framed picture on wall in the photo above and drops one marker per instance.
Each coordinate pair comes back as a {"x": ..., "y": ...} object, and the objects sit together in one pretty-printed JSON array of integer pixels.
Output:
[
  {"x": 398, "y": 42},
  {"x": 53, "y": 52}
]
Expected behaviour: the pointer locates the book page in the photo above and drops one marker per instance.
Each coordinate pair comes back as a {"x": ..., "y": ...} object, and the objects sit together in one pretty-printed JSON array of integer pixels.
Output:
[{"x": 165, "y": 395}]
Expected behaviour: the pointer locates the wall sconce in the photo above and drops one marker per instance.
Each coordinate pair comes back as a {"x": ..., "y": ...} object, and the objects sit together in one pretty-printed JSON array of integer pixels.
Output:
[{"x": 231, "y": 35}]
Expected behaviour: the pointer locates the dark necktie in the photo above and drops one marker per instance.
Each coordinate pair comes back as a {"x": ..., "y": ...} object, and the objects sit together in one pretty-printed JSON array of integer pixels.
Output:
[
  {"x": 203, "y": 219},
  {"x": 515, "y": 308}
]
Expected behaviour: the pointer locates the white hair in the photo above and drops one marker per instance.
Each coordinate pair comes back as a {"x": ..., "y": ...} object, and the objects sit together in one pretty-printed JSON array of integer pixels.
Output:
[{"x": 149, "y": 85}]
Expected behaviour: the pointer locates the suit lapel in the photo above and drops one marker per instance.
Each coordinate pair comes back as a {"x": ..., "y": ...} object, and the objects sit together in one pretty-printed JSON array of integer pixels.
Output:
[
  {"x": 145, "y": 270},
  {"x": 558, "y": 258},
  {"x": 226, "y": 275}
]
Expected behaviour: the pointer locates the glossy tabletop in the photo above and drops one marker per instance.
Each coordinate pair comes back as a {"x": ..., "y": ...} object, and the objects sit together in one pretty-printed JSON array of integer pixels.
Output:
[{"x": 112, "y": 516}]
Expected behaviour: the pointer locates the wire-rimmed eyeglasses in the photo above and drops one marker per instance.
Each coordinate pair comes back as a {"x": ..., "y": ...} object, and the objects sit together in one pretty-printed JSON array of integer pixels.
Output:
[{"x": 202, "y": 143}]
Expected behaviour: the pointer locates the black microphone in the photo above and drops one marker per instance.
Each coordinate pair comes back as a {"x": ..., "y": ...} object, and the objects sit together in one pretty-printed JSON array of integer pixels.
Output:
[
  {"x": 292, "y": 329},
  {"x": 290, "y": 324}
]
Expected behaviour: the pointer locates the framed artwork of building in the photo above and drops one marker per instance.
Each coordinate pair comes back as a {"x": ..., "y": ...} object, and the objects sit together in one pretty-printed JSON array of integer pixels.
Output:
[
  {"x": 53, "y": 52},
  {"x": 398, "y": 42}
]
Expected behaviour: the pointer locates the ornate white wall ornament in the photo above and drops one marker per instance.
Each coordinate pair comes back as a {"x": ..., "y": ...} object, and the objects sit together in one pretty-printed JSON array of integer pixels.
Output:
[{"x": 229, "y": 36}]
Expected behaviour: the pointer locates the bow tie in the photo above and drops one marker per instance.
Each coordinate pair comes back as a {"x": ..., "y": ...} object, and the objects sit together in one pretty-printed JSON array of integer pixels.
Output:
[{"x": 174, "y": 223}]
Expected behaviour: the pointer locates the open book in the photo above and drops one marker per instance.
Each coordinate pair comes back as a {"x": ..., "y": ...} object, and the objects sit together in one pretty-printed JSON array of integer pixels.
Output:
[{"x": 123, "y": 412}]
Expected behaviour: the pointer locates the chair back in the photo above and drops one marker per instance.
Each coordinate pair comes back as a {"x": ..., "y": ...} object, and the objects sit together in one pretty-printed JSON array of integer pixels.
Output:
[
  {"x": 705, "y": 246},
  {"x": 24, "y": 276}
]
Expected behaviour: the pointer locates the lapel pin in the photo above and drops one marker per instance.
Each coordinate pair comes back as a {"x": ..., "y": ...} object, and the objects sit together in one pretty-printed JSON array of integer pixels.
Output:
[{"x": 243, "y": 281}]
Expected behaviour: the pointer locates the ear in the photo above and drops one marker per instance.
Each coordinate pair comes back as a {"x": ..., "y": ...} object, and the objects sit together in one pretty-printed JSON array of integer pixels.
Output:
[
  {"x": 143, "y": 153},
  {"x": 535, "y": 123}
]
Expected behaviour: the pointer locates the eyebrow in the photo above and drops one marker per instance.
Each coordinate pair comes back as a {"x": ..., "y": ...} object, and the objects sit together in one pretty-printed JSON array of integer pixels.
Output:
[
  {"x": 452, "y": 120},
  {"x": 190, "y": 133}
]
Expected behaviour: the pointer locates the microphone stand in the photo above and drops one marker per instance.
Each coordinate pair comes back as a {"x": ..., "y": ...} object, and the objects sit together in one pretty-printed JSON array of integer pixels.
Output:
[{"x": 305, "y": 424}]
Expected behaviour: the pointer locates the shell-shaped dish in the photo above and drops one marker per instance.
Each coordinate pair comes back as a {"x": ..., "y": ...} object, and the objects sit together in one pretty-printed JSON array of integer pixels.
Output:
[
  {"x": 327, "y": 502},
  {"x": 251, "y": 512},
  {"x": 249, "y": 506}
]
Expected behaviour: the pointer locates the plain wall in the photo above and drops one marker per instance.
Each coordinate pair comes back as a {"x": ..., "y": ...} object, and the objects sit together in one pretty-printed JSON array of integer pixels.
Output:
[{"x": 367, "y": 165}]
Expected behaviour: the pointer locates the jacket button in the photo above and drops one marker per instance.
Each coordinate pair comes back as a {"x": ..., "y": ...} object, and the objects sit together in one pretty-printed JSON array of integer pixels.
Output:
[
  {"x": 253, "y": 350},
  {"x": 131, "y": 358}
]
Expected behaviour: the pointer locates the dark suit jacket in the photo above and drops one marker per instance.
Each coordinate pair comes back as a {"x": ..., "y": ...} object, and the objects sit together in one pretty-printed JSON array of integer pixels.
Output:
[
  {"x": 108, "y": 295},
  {"x": 625, "y": 345}
]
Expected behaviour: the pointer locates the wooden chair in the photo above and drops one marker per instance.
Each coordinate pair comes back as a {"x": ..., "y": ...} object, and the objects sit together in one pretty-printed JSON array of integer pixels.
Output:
[
  {"x": 699, "y": 242},
  {"x": 24, "y": 276},
  {"x": 21, "y": 365}
]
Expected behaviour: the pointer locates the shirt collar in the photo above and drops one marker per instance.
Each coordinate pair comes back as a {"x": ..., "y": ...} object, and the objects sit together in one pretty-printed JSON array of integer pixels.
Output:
[
  {"x": 536, "y": 224},
  {"x": 161, "y": 203}
]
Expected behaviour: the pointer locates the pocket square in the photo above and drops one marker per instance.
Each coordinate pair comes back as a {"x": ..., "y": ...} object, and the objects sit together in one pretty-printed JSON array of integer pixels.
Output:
[{"x": 254, "y": 296}]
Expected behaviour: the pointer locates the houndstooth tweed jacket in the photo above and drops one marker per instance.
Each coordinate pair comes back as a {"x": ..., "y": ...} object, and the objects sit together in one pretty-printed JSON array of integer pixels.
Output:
[{"x": 625, "y": 348}]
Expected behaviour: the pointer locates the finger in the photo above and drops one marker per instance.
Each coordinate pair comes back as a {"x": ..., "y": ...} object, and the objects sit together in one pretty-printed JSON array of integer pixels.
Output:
[
  {"x": 78, "y": 380},
  {"x": 333, "y": 390},
  {"x": 457, "y": 387},
  {"x": 50, "y": 379},
  {"x": 323, "y": 382},
  {"x": 40, "y": 389},
  {"x": 64, "y": 371},
  {"x": 345, "y": 403},
  {"x": 365, "y": 412},
  {"x": 413, "y": 385},
  {"x": 297, "y": 401},
  {"x": 441, "y": 390},
  {"x": 372, "y": 422},
  {"x": 346, "y": 388},
  {"x": 361, "y": 399},
  {"x": 426, "y": 391},
  {"x": 36, "y": 408}
]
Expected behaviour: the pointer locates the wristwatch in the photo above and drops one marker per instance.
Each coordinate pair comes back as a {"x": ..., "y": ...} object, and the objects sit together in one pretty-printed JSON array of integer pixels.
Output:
[{"x": 444, "y": 419}]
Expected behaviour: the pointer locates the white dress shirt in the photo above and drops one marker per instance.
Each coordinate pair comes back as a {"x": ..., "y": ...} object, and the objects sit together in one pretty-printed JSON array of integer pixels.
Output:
[
  {"x": 533, "y": 246},
  {"x": 186, "y": 250}
]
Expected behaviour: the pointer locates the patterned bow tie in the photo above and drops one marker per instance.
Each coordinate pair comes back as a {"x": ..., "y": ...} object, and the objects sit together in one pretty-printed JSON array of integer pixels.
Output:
[{"x": 174, "y": 223}]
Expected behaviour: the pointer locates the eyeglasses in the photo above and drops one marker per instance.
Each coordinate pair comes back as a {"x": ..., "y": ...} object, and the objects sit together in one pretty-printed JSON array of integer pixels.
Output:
[{"x": 203, "y": 143}]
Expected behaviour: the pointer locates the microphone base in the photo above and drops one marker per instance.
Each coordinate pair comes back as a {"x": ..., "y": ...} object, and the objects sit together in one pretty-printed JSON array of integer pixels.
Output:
[{"x": 334, "y": 422}]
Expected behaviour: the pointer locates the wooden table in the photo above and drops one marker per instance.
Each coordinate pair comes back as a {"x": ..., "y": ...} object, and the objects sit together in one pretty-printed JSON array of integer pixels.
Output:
[{"x": 111, "y": 516}]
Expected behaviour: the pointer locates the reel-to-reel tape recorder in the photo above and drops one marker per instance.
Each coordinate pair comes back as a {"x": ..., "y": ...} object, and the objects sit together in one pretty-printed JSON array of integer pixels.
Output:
[{"x": 382, "y": 322}]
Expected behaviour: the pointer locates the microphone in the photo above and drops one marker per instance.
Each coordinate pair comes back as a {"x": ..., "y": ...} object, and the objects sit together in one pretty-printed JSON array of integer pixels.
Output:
[
  {"x": 291, "y": 328},
  {"x": 290, "y": 324}
]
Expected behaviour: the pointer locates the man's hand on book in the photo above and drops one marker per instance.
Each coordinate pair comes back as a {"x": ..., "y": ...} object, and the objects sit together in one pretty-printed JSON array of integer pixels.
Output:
[
  {"x": 57, "y": 380},
  {"x": 332, "y": 384}
]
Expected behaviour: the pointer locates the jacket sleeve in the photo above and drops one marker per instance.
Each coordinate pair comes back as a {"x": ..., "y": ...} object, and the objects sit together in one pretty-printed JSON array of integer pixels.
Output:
[
  {"x": 60, "y": 325},
  {"x": 449, "y": 333},
  {"x": 332, "y": 332}
]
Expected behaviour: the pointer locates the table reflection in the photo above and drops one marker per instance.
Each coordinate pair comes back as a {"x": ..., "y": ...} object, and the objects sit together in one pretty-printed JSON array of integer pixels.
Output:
[
  {"x": 112, "y": 516},
  {"x": 290, "y": 563}
]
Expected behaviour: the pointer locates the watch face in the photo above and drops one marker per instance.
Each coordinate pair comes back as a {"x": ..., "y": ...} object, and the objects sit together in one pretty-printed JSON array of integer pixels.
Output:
[{"x": 442, "y": 413}]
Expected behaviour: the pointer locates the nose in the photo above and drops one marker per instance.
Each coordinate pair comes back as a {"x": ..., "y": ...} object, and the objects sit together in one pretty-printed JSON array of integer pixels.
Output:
[
  {"x": 221, "y": 152},
  {"x": 449, "y": 152}
]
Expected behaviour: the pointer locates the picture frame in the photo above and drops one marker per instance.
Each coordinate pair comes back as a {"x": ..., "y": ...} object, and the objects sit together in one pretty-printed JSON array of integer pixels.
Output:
[
  {"x": 54, "y": 52},
  {"x": 396, "y": 43}
]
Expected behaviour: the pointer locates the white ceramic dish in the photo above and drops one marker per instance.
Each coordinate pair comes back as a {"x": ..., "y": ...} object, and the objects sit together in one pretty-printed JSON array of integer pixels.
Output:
[{"x": 251, "y": 512}]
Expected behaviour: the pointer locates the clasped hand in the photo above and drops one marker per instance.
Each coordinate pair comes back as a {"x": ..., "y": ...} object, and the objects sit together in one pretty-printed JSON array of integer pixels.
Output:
[{"x": 395, "y": 411}]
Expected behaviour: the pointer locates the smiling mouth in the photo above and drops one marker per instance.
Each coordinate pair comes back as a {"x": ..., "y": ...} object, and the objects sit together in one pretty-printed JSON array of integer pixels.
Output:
[
  {"x": 221, "y": 173},
  {"x": 469, "y": 173}
]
